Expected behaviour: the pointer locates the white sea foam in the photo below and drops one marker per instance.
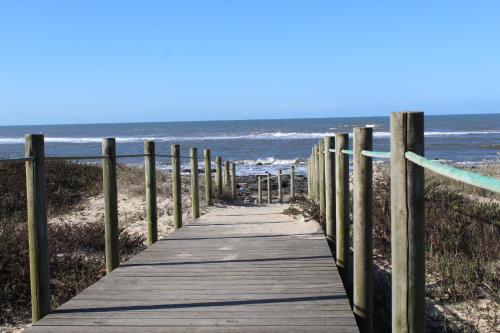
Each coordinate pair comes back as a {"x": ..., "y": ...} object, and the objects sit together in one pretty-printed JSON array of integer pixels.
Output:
[
  {"x": 251, "y": 136},
  {"x": 259, "y": 166}
]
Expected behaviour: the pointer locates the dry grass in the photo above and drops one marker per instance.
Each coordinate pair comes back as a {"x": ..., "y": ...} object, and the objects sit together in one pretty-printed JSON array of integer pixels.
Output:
[
  {"x": 462, "y": 237},
  {"x": 67, "y": 185},
  {"x": 462, "y": 242},
  {"x": 75, "y": 250},
  {"x": 76, "y": 259}
]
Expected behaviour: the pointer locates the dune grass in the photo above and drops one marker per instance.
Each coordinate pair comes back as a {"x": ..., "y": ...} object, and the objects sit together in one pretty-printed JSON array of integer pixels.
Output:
[
  {"x": 76, "y": 252},
  {"x": 462, "y": 239}
]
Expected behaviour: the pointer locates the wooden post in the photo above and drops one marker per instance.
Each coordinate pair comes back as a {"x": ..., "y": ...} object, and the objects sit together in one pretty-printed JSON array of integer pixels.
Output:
[
  {"x": 233, "y": 181},
  {"x": 259, "y": 189},
  {"x": 269, "y": 188},
  {"x": 363, "y": 229},
  {"x": 330, "y": 188},
  {"x": 342, "y": 206},
  {"x": 150, "y": 175},
  {"x": 315, "y": 173},
  {"x": 310, "y": 176},
  {"x": 318, "y": 176},
  {"x": 321, "y": 159},
  {"x": 280, "y": 189},
  {"x": 176, "y": 185},
  {"x": 292, "y": 182},
  {"x": 37, "y": 226},
  {"x": 226, "y": 176},
  {"x": 208, "y": 179},
  {"x": 407, "y": 224},
  {"x": 110, "y": 204},
  {"x": 309, "y": 179},
  {"x": 218, "y": 175},
  {"x": 195, "y": 193}
]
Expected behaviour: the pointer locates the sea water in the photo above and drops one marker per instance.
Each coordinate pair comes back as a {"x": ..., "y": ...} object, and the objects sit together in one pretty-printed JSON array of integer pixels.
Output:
[{"x": 259, "y": 146}]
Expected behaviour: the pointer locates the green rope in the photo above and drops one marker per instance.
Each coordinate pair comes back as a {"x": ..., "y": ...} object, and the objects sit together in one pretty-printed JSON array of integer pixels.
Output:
[
  {"x": 376, "y": 154},
  {"x": 488, "y": 183}
]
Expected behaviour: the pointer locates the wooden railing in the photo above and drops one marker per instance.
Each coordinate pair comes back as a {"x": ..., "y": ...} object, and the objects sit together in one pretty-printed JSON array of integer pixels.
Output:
[
  {"x": 328, "y": 184},
  {"x": 37, "y": 212}
]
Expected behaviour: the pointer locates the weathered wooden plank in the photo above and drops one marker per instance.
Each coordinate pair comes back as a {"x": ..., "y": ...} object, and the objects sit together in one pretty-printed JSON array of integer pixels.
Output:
[
  {"x": 338, "y": 321},
  {"x": 203, "y": 314},
  {"x": 247, "y": 270},
  {"x": 192, "y": 328}
]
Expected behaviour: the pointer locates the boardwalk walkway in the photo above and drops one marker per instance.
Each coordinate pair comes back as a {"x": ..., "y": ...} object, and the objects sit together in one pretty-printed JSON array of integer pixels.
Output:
[{"x": 236, "y": 269}]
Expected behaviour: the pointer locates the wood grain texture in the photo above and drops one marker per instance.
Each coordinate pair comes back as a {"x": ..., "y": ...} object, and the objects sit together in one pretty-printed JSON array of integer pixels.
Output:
[
  {"x": 321, "y": 178},
  {"x": 208, "y": 178},
  {"x": 218, "y": 175},
  {"x": 342, "y": 205},
  {"x": 176, "y": 186},
  {"x": 407, "y": 223},
  {"x": 195, "y": 193},
  {"x": 233, "y": 181},
  {"x": 269, "y": 191},
  {"x": 363, "y": 229},
  {"x": 151, "y": 205},
  {"x": 280, "y": 188},
  {"x": 235, "y": 269},
  {"x": 330, "y": 187},
  {"x": 37, "y": 226},
  {"x": 110, "y": 204}
]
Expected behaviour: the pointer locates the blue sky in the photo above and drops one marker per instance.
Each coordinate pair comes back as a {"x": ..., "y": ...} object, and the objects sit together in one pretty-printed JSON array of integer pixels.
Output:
[{"x": 119, "y": 61}]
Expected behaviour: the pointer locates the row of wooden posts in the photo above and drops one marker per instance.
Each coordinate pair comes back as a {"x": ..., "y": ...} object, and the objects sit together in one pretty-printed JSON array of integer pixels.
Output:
[
  {"x": 328, "y": 185},
  {"x": 279, "y": 177},
  {"x": 225, "y": 181}
]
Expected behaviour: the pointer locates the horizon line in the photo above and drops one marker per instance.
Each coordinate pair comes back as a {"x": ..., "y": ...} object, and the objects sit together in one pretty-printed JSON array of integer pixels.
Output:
[{"x": 233, "y": 120}]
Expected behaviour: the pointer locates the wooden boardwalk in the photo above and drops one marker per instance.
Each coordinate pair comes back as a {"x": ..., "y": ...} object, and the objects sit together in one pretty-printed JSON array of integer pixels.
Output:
[{"x": 236, "y": 269}]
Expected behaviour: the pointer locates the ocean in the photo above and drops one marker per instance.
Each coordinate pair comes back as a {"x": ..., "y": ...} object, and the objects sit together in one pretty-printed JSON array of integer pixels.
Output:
[{"x": 261, "y": 145}]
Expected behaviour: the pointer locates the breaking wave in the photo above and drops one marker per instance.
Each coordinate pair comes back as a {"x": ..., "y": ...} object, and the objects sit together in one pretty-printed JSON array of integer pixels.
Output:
[{"x": 250, "y": 136}]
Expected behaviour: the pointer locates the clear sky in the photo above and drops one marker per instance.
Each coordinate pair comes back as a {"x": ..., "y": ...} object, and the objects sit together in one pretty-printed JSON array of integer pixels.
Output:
[{"x": 119, "y": 61}]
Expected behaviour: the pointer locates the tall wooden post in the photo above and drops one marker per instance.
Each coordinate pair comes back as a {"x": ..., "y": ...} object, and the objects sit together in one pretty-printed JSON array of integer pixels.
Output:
[
  {"x": 407, "y": 224},
  {"x": 226, "y": 175},
  {"x": 259, "y": 189},
  {"x": 280, "y": 189},
  {"x": 342, "y": 206},
  {"x": 150, "y": 175},
  {"x": 269, "y": 194},
  {"x": 318, "y": 176},
  {"x": 110, "y": 204},
  {"x": 208, "y": 179},
  {"x": 176, "y": 185},
  {"x": 363, "y": 230},
  {"x": 330, "y": 187},
  {"x": 309, "y": 196},
  {"x": 309, "y": 179},
  {"x": 233, "y": 181},
  {"x": 195, "y": 193},
  {"x": 218, "y": 175},
  {"x": 315, "y": 173},
  {"x": 37, "y": 226},
  {"x": 321, "y": 159},
  {"x": 292, "y": 182}
]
